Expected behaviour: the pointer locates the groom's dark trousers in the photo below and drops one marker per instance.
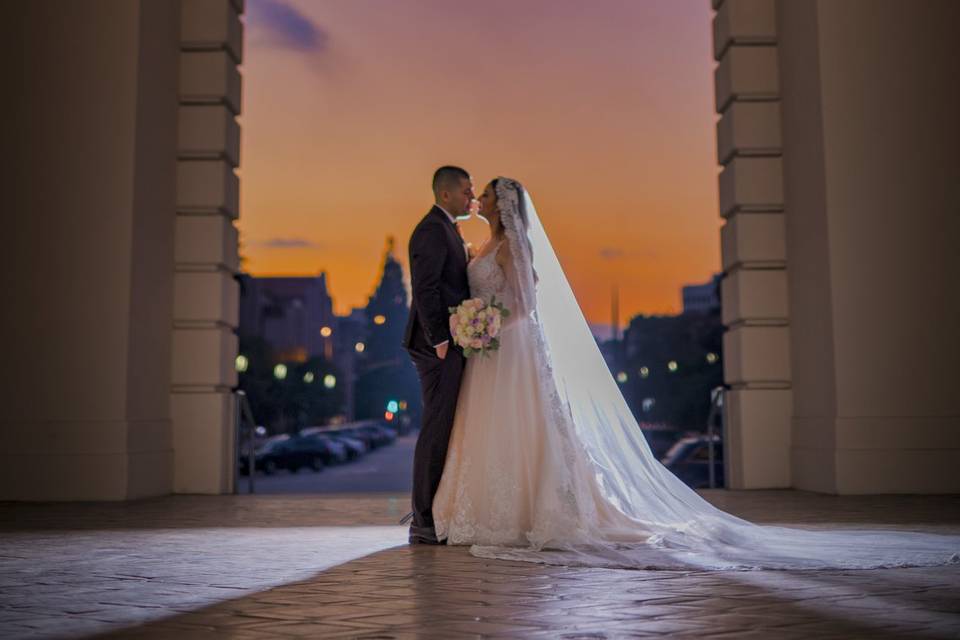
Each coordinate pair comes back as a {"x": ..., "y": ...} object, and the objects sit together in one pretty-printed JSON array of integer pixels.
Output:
[
  {"x": 440, "y": 382},
  {"x": 438, "y": 274}
]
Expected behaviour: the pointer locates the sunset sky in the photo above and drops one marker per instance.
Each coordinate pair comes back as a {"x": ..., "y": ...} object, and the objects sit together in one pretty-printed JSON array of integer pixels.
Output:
[{"x": 603, "y": 109}]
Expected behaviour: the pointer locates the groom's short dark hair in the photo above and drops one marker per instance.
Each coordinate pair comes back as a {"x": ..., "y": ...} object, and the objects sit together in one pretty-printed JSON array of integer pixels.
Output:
[{"x": 447, "y": 176}]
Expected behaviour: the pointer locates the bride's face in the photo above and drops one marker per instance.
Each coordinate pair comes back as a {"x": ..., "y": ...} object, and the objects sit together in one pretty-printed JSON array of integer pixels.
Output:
[{"x": 488, "y": 205}]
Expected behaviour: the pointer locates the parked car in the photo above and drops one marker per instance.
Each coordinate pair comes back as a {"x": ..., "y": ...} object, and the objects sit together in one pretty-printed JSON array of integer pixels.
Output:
[
  {"x": 365, "y": 437},
  {"x": 689, "y": 460},
  {"x": 261, "y": 452},
  {"x": 381, "y": 435},
  {"x": 295, "y": 453},
  {"x": 352, "y": 447},
  {"x": 355, "y": 448},
  {"x": 336, "y": 451},
  {"x": 370, "y": 434}
]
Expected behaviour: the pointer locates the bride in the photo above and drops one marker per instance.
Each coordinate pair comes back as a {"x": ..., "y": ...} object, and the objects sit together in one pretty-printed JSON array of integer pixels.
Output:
[{"x": 546, "y": 463}]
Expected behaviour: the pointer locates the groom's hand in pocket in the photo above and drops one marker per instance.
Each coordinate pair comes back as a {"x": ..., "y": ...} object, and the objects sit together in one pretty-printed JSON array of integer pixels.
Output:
[{"x": 442, "y": 350}]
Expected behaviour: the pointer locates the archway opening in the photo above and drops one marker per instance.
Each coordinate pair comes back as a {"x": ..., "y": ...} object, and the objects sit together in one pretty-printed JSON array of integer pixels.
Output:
[{"x": 606, "y": 113}]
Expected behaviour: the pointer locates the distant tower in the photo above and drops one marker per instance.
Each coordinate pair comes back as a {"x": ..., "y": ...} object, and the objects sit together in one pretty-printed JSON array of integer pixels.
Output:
[
  {"x": 387, "y": 310},
  {"x": 386, "y": 372},
  {"x": 615, "y": 313}
]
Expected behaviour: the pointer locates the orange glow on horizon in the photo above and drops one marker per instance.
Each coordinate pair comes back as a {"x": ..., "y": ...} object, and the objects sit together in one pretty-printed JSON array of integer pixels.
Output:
[{"x": 603, "y": 110}]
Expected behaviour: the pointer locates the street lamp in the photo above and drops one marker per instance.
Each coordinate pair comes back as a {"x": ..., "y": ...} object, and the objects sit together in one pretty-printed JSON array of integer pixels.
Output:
[
  {"x": 242, "y": 363},
  {"x": 308, "y": 377},
  {"x": 326, "y": 332},
  {"x": 359, "y": 347},
  {"x": 280, "y": 371},
  {"x": 329, "y": 381},
  {"x": 672, "y": 365},
  {"x": 622, "y": 377},
  {"x": 379, "y": 319},
  {"x": 644, "y": 372},
  {"x": 711, "y": 357}
]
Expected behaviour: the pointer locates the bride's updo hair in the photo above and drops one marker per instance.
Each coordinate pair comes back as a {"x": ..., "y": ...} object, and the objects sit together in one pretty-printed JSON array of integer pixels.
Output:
[
  {"x": 521, "y": 201},
  {"x": 521, "y": 214}
]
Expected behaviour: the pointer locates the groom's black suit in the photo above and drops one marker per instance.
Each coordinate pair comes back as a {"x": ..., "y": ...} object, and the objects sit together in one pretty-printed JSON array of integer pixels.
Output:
[{"x": 438, "y": 274}]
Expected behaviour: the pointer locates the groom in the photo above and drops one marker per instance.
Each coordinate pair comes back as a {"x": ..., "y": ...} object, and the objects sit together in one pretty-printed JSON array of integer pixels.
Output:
[{"x": 438, "y": 274}]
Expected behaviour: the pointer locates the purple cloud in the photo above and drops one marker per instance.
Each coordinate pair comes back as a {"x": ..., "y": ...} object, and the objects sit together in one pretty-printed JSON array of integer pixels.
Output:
[
  {"x": 287, "y": 243},
  {"x": 609, "y": 253},
  {"x": 285, "y": 26},
  {"x": 614, "y": 253}
]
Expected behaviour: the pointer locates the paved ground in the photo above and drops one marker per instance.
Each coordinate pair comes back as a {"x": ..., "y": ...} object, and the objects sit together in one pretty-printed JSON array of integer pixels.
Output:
[
  {"x": 323, "y": 566},
  {"x": 388, "y": 468}
]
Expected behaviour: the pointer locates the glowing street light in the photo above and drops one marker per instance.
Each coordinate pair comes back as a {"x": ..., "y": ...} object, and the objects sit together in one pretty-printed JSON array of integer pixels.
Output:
[
  {"x": 672, "y": 365},
  {"x": 644, "y": 372},
  {"x": 622, "y": 377},
  {"x": 329, "y": 381},
  {"x": 379, "y": 319},
  {"x": 308, "y": 377},
  {"x": 648, "y": 403},
  {"x": 403, "y": 405},
  {"x": 280, "y": 371},
  {"x": 242, "y": 363},
  {"x": 326, "y": 332},
  {"x": 711, "y": 357},
  {"x": 359, "y": 347}
]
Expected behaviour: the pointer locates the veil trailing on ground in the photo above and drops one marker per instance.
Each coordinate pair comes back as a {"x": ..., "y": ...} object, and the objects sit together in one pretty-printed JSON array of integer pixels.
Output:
[{"x": 616, "y": 505}]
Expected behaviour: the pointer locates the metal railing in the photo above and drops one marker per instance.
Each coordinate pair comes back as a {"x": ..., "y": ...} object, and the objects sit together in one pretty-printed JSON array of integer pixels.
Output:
[
  {"x": 244, "y": 415},
  {"x": 716, "y": 409}
]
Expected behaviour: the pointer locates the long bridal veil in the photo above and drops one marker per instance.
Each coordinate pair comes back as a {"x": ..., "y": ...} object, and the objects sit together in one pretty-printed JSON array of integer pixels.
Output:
[{"x": 657, "y": 521}]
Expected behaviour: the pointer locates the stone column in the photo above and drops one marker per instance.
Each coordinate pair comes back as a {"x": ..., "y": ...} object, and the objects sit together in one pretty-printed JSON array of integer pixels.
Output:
[
  {"x": 206, "y": 298},
  {"x": 90, "y": 124},
  {"x": 753, "y": 246},
  {"x": 872, "y": 181}
]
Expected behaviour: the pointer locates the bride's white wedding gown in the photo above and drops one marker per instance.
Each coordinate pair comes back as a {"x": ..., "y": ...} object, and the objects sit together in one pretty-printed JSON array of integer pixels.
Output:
[
  {"x": 547, "y": 464},
  {"x": 499, "y": 484}
]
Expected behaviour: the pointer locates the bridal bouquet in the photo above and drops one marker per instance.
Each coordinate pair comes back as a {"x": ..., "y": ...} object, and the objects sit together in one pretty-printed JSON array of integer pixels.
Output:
[{"x": 475, "y": 325}]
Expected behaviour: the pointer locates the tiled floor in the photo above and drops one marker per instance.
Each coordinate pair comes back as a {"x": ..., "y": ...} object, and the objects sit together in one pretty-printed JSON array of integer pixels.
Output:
[{"x": 246, "y": 567}]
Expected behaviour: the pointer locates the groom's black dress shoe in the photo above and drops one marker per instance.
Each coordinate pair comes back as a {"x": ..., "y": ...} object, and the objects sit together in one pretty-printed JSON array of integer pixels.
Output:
[{"x": 424, "y": 535}]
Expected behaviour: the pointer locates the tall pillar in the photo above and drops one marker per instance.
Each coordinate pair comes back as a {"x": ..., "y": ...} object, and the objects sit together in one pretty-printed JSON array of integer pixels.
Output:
[
  {"x": 872, "y": 182},
  {"x": 90, "y": 124},
  {"x": 753, "y": 245},
  {"x": 206, "y": 299}
]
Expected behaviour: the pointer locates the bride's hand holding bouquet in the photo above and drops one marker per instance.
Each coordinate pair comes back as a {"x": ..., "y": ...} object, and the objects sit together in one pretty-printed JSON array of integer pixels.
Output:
[{"x": 475, "y": 325}]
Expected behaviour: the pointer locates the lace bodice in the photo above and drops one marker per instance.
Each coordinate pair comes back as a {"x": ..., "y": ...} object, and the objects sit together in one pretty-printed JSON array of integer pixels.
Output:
[{"x": 486, "y": 277}]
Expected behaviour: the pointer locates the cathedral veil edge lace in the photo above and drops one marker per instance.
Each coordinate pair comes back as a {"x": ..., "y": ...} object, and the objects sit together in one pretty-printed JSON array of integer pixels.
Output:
[{"x": 603, "y": 499}]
